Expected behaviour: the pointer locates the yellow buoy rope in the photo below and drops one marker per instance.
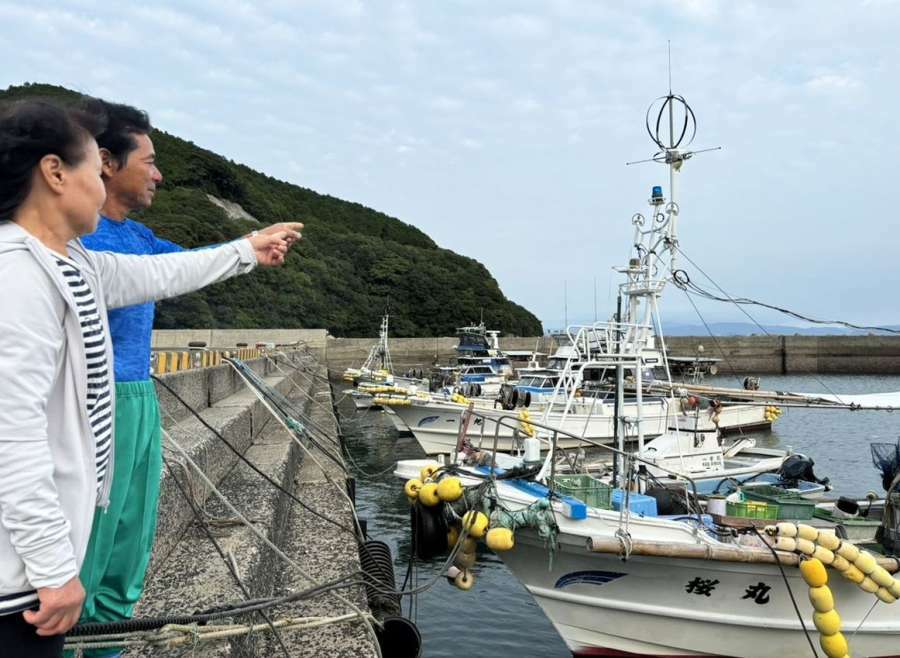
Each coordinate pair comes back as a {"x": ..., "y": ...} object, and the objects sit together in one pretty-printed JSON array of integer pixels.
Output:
[
  {"x": 854, "y": 564},
  {"x": 825, "y": 617}
]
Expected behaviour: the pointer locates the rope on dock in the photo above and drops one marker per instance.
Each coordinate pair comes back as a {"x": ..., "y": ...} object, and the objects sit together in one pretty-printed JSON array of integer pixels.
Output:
[{"x": 174, "y": 635}]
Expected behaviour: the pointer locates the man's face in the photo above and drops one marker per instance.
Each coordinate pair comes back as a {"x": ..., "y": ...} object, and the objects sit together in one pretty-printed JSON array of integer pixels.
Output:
[{"x": 134, "y": 182}]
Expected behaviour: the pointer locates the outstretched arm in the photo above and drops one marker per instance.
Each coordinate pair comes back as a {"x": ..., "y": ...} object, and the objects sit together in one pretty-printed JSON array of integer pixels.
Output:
[{"x": 128, "y": 280}]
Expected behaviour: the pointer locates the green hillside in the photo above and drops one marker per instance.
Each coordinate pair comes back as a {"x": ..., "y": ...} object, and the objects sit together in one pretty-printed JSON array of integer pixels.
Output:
[{"x": 352, "y": 264}]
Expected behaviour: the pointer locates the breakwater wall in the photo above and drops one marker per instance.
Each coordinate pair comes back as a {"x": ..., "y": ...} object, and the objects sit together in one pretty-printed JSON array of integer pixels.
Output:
[
  {"x": 205, "y": 555},
  {"x": 867, "y": 355}
]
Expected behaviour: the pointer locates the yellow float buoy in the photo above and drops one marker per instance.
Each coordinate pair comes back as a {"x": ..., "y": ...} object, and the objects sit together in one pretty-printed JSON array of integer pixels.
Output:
[
  {"x": 788, "y": 544},
  {"x": 786, "y": 530},
  {"x": 807, "y": 532},
  {"x": 469, "y": 545},
  {"x": 884, "y": 595},
  {"x": 865, "y": 562},
  {"x": 895, "y": 588},
  {"x": 428, "y": 494},
  {"x": 805, "y": 546},
  {"x": 868, "y": 585},
  {"x": 452, "y": 536},
  {"x": 840, "y": 564},
  {"x": 853, "y": 574},
  {"x": 823, "y": 555},
  {"x": 834, "y": 646},
  {"x": 500, "y": 539},
  {"x": 476, "y": 523},
  {"x": 464, "y": 580},
  {"x": 881, "y": 576},
  {"x": 821, "y": 598},
  {"x": 828, "y": 540},
  {"x": 428, "y": 470},
  {"x": 848, "y": 551},
  {"x": 813, "y": 572},
  {"x": 450, "y": 489},
  {"x": 411, "y": 488},
  {"x": 827, "y": 623}
]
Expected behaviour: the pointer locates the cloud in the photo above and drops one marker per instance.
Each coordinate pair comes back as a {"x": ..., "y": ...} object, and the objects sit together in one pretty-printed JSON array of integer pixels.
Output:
[
  {"x": 445, "y": 104},
  {"x": 830, "y": 83},
  {"x": 519, "y": 26},
  {"x": 527, "y": 105}
]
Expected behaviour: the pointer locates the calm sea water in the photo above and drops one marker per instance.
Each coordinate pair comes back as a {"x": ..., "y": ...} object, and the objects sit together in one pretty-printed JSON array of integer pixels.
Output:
[{"x": 498, "y": 617}]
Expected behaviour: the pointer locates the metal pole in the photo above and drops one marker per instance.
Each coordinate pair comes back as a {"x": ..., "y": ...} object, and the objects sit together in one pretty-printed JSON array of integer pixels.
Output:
[{"x": 617, "y": 406}]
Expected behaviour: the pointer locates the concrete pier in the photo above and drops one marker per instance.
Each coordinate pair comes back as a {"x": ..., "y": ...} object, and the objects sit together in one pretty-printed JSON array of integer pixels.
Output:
[{"x": 187, "y": 573}]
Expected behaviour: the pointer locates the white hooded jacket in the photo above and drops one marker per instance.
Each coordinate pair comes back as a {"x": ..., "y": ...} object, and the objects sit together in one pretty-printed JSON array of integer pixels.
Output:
[{"x": 48, "y": 479}]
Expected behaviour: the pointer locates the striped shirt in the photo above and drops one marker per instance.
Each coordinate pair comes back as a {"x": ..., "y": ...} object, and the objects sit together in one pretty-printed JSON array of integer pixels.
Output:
[{"x": 99, "y": 403}]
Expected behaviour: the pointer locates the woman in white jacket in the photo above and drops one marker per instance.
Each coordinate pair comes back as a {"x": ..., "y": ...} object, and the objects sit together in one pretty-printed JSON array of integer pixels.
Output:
[{"x": 56, "y": 361}]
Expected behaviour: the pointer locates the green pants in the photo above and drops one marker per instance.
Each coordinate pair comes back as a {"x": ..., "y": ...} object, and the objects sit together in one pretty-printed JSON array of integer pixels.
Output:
[{"x": 122, "y": 535}]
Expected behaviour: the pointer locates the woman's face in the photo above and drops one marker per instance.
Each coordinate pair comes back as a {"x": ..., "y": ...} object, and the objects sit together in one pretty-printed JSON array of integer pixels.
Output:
[{"x": 85, "y": 193}]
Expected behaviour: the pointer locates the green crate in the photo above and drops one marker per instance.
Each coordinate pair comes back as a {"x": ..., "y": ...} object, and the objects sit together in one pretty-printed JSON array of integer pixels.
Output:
[
  {"x": 585, "y": 488},
  {"x": 790, "y": 505},
  {"x": 752, "y": 510}
]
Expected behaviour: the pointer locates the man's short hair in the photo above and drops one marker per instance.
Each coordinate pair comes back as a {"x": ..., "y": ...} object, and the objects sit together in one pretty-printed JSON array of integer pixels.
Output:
[{"x": 123, "y": 122}]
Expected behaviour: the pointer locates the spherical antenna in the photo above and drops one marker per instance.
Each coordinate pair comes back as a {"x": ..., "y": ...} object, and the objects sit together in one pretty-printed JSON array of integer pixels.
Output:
[{"x": 682, "y": 122}]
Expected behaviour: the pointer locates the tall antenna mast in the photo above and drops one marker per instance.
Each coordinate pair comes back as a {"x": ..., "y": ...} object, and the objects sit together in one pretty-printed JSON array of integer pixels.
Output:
[
  {"x": 671, "y": 152},
  {"x": 669, "y": 43}
]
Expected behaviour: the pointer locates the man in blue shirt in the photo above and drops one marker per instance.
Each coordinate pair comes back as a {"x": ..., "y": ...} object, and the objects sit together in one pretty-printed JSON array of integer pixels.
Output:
[{"x": 122, "y": 536}]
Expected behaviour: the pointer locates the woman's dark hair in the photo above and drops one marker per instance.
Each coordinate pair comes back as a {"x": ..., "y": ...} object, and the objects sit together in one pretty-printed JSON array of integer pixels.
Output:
[
  {"x": 123, "y": 122},
  {"x": 30, "y": 130}
]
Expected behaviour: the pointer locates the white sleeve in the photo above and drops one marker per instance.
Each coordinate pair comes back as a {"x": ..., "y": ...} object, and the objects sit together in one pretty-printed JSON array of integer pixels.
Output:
[
  {"x": 128, "y": 280},
  {"x": 30, "y": 352}
]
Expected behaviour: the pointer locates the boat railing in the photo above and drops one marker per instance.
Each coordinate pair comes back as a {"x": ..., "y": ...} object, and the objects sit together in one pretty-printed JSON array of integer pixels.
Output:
[
  {"x": 551, "y": 436},
  {"x": 609, "y": 338}
]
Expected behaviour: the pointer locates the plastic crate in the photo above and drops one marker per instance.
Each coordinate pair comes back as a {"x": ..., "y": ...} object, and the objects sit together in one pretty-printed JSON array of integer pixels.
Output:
[
  {"x": 585, "y": 488},
  {"x": 638, "y": 503},
  {"x": 752, "y": 510},
  {"x": 790, "y": 505}
]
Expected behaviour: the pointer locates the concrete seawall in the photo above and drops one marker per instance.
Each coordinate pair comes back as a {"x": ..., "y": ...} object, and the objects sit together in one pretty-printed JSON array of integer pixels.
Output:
[
  {"x": 742, "y": 354},
  {"x": 867, "y": 355},
  {"x": 189, "y": 572}
]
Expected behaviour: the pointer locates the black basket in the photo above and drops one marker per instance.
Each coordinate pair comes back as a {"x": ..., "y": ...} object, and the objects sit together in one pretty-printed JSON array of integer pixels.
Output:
[{"x": 886, "y": 458}]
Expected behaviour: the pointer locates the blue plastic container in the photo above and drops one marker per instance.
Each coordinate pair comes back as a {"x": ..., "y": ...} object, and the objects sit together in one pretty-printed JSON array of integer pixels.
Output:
[{"x": 637, "y": 503}]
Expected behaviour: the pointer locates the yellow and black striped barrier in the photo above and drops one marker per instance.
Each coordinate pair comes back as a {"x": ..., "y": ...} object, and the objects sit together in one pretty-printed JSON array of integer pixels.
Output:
[{"x": 166, "y": 361}]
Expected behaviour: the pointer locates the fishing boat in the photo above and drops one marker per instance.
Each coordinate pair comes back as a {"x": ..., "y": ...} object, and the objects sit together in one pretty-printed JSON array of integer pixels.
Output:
[
  {"x": 616, "y": 572},
  {"x": 376, "y": 374},
  {"x": 617, "y": 575},
  {"x": 477, "y": 345}
]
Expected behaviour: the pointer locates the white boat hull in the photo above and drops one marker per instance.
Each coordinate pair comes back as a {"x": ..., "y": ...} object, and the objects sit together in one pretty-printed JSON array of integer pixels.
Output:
[
  {"x": 602, "y": 606},
  {"x": 436, "y": 427},
  {"x": 732, "y": 418},
  {"x": 396, "y": 421}
]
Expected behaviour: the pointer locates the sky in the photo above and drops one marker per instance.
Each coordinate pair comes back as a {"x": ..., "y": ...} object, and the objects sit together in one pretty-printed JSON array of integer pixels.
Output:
[{"x": 502, "y": 129}]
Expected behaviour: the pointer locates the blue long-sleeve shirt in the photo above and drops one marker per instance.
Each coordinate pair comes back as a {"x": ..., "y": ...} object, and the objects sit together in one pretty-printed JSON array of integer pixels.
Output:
[{"x": 130, "y": 327}]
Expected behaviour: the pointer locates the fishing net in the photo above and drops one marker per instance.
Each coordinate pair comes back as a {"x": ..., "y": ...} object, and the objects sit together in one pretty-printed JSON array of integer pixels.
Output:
[{"x": 886, "y": 458}]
